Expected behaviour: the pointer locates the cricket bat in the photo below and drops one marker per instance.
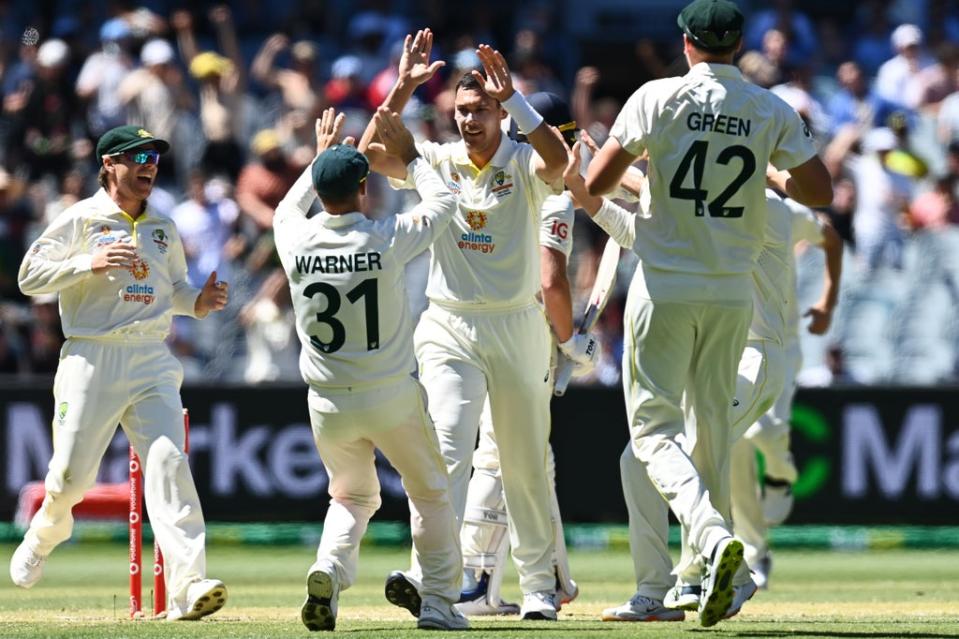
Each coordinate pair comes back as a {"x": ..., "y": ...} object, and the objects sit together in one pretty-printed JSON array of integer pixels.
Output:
[{"x": 602, "y": 290}]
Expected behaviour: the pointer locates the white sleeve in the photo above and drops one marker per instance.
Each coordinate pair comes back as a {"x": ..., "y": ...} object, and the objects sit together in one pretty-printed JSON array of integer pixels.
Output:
[
  {"x": 429, "y": 151},
  {"x": 632, "y": 124},
  {"x": 556, "y": 225},
  {"x": 54, "y": 260},
  {"x": 184, "y": 295},
  {"x": 415, "y": 230},
  {"x": 805, "y": 224},
  {"x": 291, "y": 212},
  {"x": 795, "y": 144},
  {"x": 619, "y": 223}
]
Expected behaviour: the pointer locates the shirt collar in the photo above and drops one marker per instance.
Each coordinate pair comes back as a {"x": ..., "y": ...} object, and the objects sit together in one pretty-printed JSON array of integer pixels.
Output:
[
  {"x": 500, "y": 159},
  {"x": 339, "y": 221},
  {"x": 106, "y": 204},
  {"x": 716, "y": 69}
]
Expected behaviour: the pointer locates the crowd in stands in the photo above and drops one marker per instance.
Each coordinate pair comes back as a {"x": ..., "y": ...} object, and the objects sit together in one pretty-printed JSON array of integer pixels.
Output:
[{"x": 236, "y": 91}]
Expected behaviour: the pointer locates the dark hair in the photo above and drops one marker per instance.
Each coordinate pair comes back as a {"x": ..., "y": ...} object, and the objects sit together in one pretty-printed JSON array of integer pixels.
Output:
[
  {"x": 469, "y": 83},
  {"x": 102, "y": 176}
]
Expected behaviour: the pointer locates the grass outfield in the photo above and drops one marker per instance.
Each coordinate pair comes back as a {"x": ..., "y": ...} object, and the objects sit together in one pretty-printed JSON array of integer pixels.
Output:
[{"x": 815, "y": 594}]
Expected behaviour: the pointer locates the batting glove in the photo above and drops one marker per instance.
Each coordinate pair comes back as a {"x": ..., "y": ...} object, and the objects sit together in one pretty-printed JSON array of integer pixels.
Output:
[{"x": 582, "y": 349}]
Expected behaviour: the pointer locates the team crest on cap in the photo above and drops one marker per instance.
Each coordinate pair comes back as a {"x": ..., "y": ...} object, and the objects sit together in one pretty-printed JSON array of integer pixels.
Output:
[
  {"x": 476, "y": 220},
  {"x": 143, "y": 133},
  {"x": 139, "y": 269}
]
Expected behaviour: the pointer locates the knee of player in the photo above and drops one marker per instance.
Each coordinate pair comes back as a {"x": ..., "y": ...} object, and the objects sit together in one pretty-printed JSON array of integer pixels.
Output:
[
  {"x": 366, "y": 501},
  {"x": 163, "y": 454}
]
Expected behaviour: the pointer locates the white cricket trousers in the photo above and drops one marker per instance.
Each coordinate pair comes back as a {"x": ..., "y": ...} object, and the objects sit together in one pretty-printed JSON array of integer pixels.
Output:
[
  {"x": 770, "y": 435},
  {"x": 672, "y": 349},
  {"x": 759, "y": 384},
  {"x": 486, "y": 519},
  {"x": 465, "y": 355},
  {"x": 347, "y": 427},
  {"x": 98, "y": 384}
]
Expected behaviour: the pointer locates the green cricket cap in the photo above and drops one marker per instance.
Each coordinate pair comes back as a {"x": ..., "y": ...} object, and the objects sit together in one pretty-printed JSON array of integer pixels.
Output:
[
  {"x": 339, "y": 171},
  {"x": 712, "y": 25},
  {"x": 125, "y": 138}
]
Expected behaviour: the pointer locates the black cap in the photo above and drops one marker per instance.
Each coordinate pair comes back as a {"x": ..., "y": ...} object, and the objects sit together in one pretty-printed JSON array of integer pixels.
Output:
[
  {"x": 125, "y": 138},
  {"x": 712, "y": 25},
  {"x": 339, "y": 171},
  {"x": 555, "y": 112}
]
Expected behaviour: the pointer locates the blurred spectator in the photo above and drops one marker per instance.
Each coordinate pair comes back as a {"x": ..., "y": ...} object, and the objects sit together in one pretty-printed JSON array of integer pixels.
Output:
[
  {"x": 937, "y": 208},
  {"x": 346, "y": 89},
  {"x": 796, "y": 26},
  {"x": 222, "y": 90},
  {"x": 264, "y": 182},
  {"x": 72, "y": 190},
  {"x": 529, "y": 68},
  {"x": 882, "y": 197},
  {"x": 796, "y": 91},
  {"x": 15, "y": 215},
  {"x": 898, "y": 79},
  {"x": 758, "y": 70},
  {"x": 299, "y": 86},
  {"x": 855, "y": 104},
  {"x": 46, "y": 337},
  {"x": 273, "y": 348},
  {"x": 42, "y": 136},
  {"x": 154, "y": 95},
  {"x": 939, "y": 80},
  {"x": 100, "y": 77},
  {"x": 871, "y": 46},
  {"x": 207, "y": 223},
  {"x": 367, "y": 35},
  {"x": 842, "y": 209}
]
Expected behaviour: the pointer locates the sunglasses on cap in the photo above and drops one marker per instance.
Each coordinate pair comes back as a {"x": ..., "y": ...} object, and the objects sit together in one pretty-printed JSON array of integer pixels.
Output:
[{"x": 140, "y": 157}]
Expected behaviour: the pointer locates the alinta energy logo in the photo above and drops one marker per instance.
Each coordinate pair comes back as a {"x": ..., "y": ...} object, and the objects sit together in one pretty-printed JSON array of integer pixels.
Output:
[{"x": 473, "y": 240}]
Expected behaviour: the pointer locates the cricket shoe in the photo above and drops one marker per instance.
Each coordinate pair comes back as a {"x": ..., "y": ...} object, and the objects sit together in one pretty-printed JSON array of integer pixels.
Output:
[
  {"x": 683, "y": 597},
  {"x": 761, "y": 571},
  {"x": 204, "y": 597},
  {"x": 475, "y": 602},
  {"x": 539, "y": 605},
  {"x": 717, "y": 594},
  {"x": 777, "y": 500},
  {"x": 741, "y": 594},
  {"x": 439, "y": 614},
  {"x": 322, "y": 593},
  {"x": 640, "y": 608},
  {"x": 26, "y": 566},
  {"x": 401, "y": 590}
]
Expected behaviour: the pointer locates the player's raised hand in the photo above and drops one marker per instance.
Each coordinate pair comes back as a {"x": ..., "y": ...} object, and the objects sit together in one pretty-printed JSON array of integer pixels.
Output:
[
  {"x": 415, "y": 62},
  {"x": 498, "y": 83},
  {"x": 329, "y": 126},
  {"x": 571, "y": 176},
  {"x": 395, "y": 138},
  {"x": 115, "y": 255},
  {"x": 213, "y": 296}
]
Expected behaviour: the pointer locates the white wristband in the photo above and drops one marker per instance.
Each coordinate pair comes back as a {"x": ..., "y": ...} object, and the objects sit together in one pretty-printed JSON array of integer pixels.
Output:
[{"x": 525, "y": 116}]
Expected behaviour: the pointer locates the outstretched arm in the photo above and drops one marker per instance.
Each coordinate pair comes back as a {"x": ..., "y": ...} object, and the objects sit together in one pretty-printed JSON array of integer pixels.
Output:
[
  {"x": 821, "y": 312},
  {"x": 549, "y": 146},
  {"x": 414, "y": 70}
]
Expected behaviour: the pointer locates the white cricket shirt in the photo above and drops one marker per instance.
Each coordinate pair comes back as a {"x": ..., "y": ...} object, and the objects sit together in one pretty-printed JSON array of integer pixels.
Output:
[
  {"x": 347, "y": 284},
  {"x": 131, "y": 305},
  {"x": 710, "y": 135},
  {"x": 489, "y": 254},
  {"x": 806, "y": 226}
]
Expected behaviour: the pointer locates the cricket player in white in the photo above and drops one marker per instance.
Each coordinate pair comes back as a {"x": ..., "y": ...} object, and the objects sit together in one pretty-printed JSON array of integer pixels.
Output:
[
  {"x": 483, "y": 332},
  {"x": 120, "y": 272},
  {"x": 761, "y": 381},
  {"x": 770, "y": 433},
  {"x": 347, "y": 283},
  {"x": 709, "y": 135},
  {"x": 346, "y": 276},
  {"x": 484, "y": 535}
]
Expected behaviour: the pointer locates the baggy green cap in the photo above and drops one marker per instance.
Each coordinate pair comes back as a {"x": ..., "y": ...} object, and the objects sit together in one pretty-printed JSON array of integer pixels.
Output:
[
  {"x": 125, "y": 138},
  {"x": 338, "y": 171},
  {"x": 712, "y": 25}
]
